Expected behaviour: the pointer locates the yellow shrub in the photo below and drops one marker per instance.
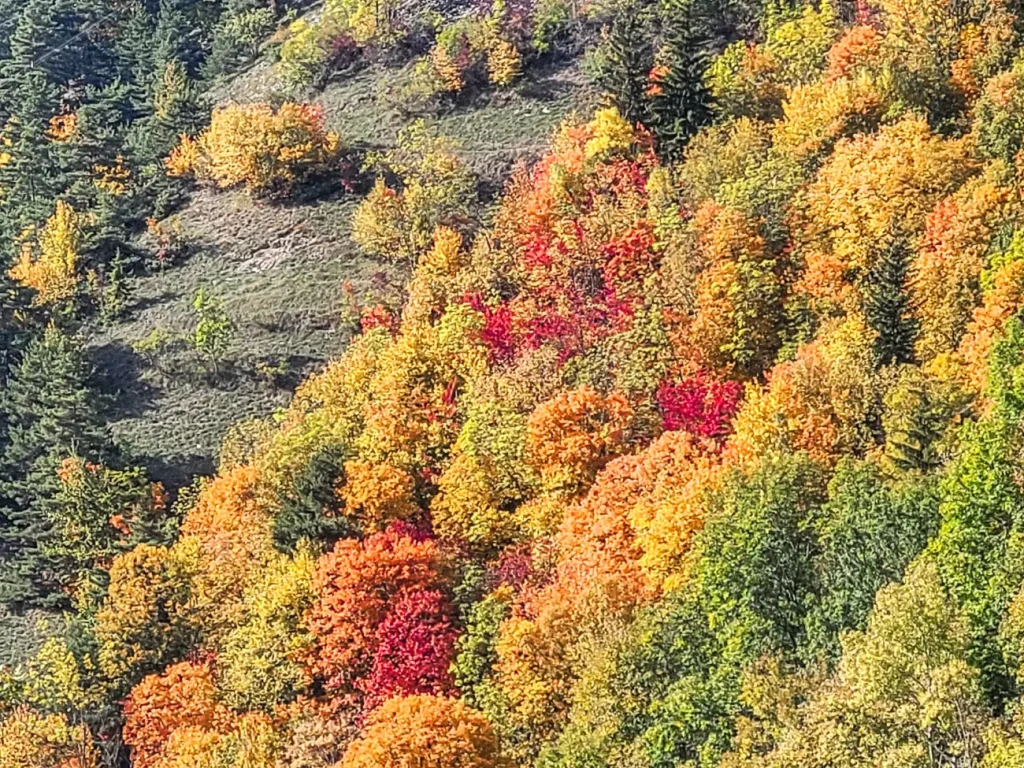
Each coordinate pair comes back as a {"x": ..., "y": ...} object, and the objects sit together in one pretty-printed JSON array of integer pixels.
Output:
[
  {"x": 47, "y": 261},
  {"x": 252, "y": 144},
  {"x": 611, "y": 133},
  {"x": 29, "y": 739},
  {"x": 503, "y": 62},
  {"x": 184, "y": 158},
  {"x": 436, "y": 189}
]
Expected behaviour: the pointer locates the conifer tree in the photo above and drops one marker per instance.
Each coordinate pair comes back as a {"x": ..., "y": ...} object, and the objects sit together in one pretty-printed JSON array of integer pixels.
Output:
[
  {"x": 52, "y": 415},
  {"x": 183, "y": 33},
  {"x": 134, "y": 55},
  {"x": 680, "y": 102},
  {"x": 41, "y": 64},
  {"x": 308, "y": 510},
  {"x": 886, "y": 306},
  {"x": 625, "y": 60},
  {"x": 34, "y": 174}
]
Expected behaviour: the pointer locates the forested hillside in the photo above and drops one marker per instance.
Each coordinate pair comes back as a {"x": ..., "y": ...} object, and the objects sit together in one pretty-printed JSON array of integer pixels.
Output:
[{"x": 536, "y": 383}]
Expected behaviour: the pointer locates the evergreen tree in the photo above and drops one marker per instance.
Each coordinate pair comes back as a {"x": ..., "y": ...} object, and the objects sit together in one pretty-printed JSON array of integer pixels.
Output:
[
  {"x": 680, "y": 102},
  {"x": 48, "y": 51},
  {"x": 34, "y": 174},
  {"x": 886, "y": 306},
  {"x": 625, "y": 58},
  {"x": 306, "y": 509},
  {"x": 133, "y": 49},
  {"x": 52, "y": 415},
  {"x": 50, "y": 38},
  {"x": 183, "y": 34},
  {"x": 9, "y": 10}
]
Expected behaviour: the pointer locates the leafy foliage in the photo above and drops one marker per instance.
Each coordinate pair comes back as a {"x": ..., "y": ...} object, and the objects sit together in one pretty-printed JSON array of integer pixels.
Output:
[
  {"x": 700, "y": 447},
  {"x": 268, "y": 150}
]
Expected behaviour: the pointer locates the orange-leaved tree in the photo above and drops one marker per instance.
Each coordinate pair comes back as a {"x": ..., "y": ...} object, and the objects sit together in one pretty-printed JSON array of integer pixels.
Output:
[
  {"x": 48, "y": 259},
  {"x": 572, "y": 435},
  {"x": 425, "y": 732},
  {"x": 184, "y": 696},
  {"x": 356, "y": 583}
]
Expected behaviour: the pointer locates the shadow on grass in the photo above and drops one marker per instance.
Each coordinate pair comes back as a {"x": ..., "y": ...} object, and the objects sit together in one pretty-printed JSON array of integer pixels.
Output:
[
  {"x": 151, "y": 301},
  {"x": 545, "y": 86},
  {"x": 118, "y": 377}
]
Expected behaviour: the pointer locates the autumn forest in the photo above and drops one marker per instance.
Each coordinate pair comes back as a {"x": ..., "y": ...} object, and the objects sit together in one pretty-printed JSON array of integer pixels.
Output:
[{"x": 689, "y": 435}]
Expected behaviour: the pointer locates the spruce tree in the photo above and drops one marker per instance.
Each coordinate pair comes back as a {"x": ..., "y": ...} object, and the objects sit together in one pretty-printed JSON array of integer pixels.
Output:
[
  {"x": 184, "y": 33},
  {"x": 33, "y": 80},
  {"x": 52, "y": 415},
  {"x": 625, "y": 58},
  {"x": 306, "y": 509},
  {"x": 34, "y": 174},
  {"x": 680, "y": 101},
  {"x": 887, "y": 308}
]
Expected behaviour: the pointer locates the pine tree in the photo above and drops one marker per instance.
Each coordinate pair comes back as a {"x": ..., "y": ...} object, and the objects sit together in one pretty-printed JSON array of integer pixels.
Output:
[
  {"x": 52, "y": 415},
  {"x": 134, "y": 54},
  {"x": 34, "y": 174},
  {"x": 887, "y": 309},
  {"x": 680, "y": 102},
  {"x": 41, "y": 65},
  {"x": 913, "y": 422},
  {"x": 625, "y": 60}
]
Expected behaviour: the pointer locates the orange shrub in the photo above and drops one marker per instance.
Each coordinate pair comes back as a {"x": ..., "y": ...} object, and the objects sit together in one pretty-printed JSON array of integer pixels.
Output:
[
  {"x": 185, "y": 695},
  {"x": 355, "y": 584},
  {"x": 225, "y": 538},
  {"x": 572, "y": 435},
  {"x": 424, "y": 732}
]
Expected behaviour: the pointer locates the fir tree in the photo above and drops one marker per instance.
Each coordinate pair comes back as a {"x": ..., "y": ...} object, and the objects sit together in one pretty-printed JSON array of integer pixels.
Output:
[
  {"x": 133, "y": 46},
  {"x": 34, "y": 174},
  {"x": 183, "y": 34},
  {"x": 306, "y": 509},
  {"x": 42, "y": 64},
  {"x": 886, "y": 307},
  {"x": 913, "y": 422},
  {"x": 52, "y": 415},
  {"x": 625, "y": 58},
  {"x": 680, "y": 102}
]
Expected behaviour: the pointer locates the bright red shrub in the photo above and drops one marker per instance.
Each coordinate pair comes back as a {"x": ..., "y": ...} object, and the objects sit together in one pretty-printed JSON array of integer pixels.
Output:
[
  {"x": 356, "y": 583},
  {"x": 415, "y": 643},
  {"x": 700, "y": 406}
]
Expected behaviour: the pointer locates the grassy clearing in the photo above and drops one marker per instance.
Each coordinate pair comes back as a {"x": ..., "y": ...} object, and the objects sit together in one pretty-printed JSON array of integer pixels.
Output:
[
  {"x": 495, "y": 129},
  {"x": 280, "y": 270}
]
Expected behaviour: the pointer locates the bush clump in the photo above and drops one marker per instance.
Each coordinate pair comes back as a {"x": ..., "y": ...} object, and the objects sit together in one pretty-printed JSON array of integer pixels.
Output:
[{"x": 267, "y": 150}]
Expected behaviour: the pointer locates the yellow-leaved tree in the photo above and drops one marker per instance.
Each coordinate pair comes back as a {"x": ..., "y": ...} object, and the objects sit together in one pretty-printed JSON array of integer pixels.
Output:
[
  {"x": 268, "y": 150},
  {"x": 48, "y": 258}
]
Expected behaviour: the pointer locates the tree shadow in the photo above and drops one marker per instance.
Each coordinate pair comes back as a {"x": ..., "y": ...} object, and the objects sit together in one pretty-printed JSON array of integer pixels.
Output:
[
  {"x": 151, "y": 301},
  {"x": 118, "y": 377},
  {"x": 178, "y": 471},
  {"x": 546, "y": 89}
]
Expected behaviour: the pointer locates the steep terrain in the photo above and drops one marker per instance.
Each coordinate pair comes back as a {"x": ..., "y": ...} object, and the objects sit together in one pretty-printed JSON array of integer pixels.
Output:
[{"x": 281, "y": 267}]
